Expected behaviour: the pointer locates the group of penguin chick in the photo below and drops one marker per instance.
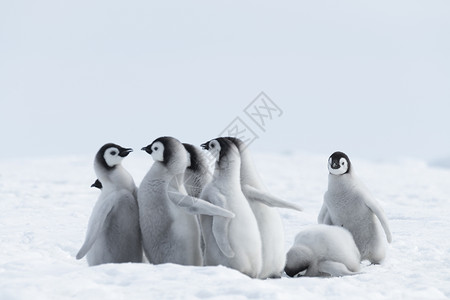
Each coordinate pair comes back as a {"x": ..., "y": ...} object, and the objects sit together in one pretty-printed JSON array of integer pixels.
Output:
[{"x": 183, "y": 214}]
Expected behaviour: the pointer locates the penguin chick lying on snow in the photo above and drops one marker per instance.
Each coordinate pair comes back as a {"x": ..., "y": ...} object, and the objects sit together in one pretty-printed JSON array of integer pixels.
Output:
[{"x": 323, "y": 250}]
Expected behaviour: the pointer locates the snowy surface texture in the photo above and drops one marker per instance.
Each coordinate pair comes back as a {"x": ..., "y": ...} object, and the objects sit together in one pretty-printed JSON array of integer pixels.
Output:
[{"x": 45, "y": 205}]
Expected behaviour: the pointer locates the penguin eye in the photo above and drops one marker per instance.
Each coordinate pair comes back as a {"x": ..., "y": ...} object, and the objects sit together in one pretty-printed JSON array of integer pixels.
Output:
[
  {"x": 212, "y": 145},
  {"x": 113, "y": 152},
  {"x": 156, "y": 148},
  {"x": 342, "y": 163}
]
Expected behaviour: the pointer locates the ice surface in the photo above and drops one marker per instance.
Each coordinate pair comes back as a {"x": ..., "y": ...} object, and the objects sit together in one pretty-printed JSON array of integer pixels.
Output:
[{"x": 45, "y": 205}]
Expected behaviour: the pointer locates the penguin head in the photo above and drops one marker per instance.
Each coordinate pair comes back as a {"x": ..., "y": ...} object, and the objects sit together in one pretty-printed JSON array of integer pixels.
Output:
[
  {"x": 339, "y": 163},
  {"x": 110, "y": 155},
  {"x": 214, "y": 147},
  {"x": 238, "y": 142},
  {"x": 156, "y": 150},
  {"x": 195, "y": 158},
  {"x": 222, "y": 148},
  {"x": 167, "y": 150}
]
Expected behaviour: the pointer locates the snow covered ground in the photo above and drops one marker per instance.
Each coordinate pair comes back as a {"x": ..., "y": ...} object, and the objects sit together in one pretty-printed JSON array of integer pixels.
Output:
[{"x": 45, "y": 205}]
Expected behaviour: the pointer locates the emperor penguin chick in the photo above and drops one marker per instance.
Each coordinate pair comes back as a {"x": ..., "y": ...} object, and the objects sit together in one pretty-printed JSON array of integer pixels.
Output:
[
  {"x": 197, "y": 174},
  {"x": 323, "y": 250},
  {"x": 263, "y": 206},
  {"x": 113, "y": 234},
  {"x": 348, "y": 203},
  {"x": 235, "y": 243},
  {"x": 170, "y": 230},
  {"x": 196, "y": 177}
]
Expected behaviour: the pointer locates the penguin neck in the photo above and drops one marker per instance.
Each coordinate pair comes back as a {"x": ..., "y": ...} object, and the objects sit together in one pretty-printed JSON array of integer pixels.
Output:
[
  {"x": 159, "y": 170},
  {"x": 177, "y": 182},
  {"x": 248, "y": 171},
  {"x": 340, "y": 182},
  {"x": 116, "y": 177},
  {"x": 228, "y": 168},
  {"x": 164, "y": 172},
  {"x": 177, "y": 165},
  {"x": 201, "y": 167}
]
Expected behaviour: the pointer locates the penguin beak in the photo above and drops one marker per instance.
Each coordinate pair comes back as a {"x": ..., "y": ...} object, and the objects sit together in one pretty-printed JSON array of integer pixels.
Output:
[
  {"x": 205, "y": 146},
  {"x": 97, "y": 184},
  {"x": 335, "y": 165},
  {"x": 147, "y": 149},
  {"x": 125, "y": 151}
]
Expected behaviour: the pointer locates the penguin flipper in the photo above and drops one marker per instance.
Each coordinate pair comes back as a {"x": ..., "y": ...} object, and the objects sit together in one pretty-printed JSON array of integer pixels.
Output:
[
  {"x": 220, "y": 228},
  {"x": 324, "y": 216},
  {"x": 378, "y": 211},
  {"x": 197, "y": 206},
  {"x": 334, "y": 268},
  {"x": 267, "y": 199},
  {"x": 96, "y": 224}
]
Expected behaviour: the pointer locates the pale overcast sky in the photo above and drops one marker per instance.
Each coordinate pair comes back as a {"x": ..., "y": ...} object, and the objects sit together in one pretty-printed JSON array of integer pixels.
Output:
[{"x": 368, "y": 78}]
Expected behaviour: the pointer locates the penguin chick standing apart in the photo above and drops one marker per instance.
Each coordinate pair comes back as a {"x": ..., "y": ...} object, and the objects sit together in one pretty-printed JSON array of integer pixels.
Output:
[
  {"x": 263, "y": 206},
  {"x": 323, "y": 250},
  {"x": 170, "y": 230},
  {"x": 235, "y": 243},
  {"x": 349, "y": 204},
  {"x": 113, "y": 234}
]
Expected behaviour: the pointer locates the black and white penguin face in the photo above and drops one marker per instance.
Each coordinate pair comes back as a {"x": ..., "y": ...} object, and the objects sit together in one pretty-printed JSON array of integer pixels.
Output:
[
  {"x": 157, "y": 151},
  {"x": 111, "y": 155},
  {"x": 167, "y": 150},
  {"x": 222, "y": 148},
  {"x": 339, "y": 163},
  {"x": 214, "y": 147}
]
